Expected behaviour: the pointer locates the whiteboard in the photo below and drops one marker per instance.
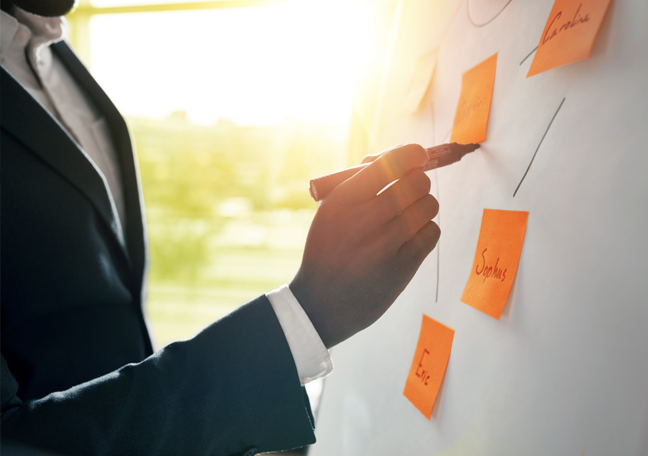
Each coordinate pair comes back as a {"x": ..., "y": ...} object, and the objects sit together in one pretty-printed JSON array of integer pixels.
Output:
[{"x": 565, "y": 369}]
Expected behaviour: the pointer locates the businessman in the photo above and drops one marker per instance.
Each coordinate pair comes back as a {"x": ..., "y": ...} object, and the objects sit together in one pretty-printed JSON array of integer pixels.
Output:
[{"x": 79, "y": 375}]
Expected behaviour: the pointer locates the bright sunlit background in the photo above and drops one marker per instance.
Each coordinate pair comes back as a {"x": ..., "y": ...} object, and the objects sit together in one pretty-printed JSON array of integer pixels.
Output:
[
  {"x": 254, "y": 66},
  {"x": 232, "y": 108}
]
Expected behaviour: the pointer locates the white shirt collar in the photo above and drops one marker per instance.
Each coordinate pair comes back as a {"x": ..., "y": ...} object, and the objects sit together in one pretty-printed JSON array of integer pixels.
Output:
[
  {"x": 8, "y": 28},
  {"x": 40, "y": 33}
]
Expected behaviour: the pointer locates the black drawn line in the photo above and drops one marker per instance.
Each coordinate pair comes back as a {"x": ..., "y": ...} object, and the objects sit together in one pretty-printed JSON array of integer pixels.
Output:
[
  {"x": 438, "y": 246},
  {"x": 538, "y": 148},
  {"x": 433, "y": 123},
  {"x": 488, "y": 21},
  {"x": 447, "y": 135},
  {"x": 436, "y": 182},
  {"x": 530, "y": 54}
]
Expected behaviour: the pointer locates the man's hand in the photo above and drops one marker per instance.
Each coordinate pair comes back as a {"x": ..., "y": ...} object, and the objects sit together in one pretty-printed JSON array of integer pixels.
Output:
[{"x": 363, "y": 248}]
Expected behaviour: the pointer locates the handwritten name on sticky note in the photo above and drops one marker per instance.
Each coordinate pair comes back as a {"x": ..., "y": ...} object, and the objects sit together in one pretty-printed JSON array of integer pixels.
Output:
[
  {"x": 496, "y": 260},
  {"x": 569, "y": 34},
  {"x": 429, "y": 364},
  {"x": 471, "y": 117}
]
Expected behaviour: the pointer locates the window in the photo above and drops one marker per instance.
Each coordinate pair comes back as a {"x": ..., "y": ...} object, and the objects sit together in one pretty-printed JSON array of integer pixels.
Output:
[{"x": 233, "y": 106}]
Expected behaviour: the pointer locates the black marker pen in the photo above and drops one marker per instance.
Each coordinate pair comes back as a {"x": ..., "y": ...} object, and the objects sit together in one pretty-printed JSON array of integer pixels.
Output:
[{"x": 438, "y": 156}]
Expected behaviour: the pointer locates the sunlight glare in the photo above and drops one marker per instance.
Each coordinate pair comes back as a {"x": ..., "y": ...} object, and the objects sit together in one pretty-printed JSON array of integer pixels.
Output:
[{"x": 256, "y": 66}]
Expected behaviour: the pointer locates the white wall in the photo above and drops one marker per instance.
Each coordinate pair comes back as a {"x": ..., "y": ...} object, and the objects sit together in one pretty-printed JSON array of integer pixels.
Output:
[{"x": 566, "y": 366}]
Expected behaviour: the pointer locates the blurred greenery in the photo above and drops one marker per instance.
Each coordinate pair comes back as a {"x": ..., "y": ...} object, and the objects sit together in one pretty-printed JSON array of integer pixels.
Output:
[{"x": 228, "y": 211}]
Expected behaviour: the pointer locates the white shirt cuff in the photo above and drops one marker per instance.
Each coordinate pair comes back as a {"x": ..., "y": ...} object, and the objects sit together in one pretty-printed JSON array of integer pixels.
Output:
[{"x": 309, "y": 352}]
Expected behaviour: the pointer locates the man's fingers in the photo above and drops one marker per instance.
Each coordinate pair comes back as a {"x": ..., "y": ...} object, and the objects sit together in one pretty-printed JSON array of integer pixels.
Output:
[
  {"x": 391, "y": 165},
  {"x": 373, "y": 157},
  {"x": 411, "y": 220},
  {"x": 420, "y": 246},
  {"x": 403, "y": 193},
  {"x": 369, "y": 158}
]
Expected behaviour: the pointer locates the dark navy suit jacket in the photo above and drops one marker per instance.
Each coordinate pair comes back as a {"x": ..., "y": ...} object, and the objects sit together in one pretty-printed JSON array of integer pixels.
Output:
[{"x": 78, "y": 372}]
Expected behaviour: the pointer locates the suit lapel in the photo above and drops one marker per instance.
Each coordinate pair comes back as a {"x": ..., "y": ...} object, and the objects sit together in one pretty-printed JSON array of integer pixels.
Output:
[
  {"x": 29, "y": 122},
  {"x": 135, "y": 233}
]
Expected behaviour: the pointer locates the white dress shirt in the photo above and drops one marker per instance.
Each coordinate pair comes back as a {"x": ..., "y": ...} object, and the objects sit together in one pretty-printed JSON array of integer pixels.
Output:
[
  {"x": 25, "y": 53},
  {"x": 311, "y": 356}
]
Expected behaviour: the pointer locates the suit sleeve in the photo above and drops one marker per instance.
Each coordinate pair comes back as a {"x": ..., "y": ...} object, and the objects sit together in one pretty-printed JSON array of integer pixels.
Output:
[{"x": 232, "y": 388}]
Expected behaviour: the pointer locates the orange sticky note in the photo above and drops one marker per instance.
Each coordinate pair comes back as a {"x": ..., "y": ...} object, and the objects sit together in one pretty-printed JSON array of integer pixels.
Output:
[
  {"x": 471, "y": 118},
  {"x": 496, "y": 260},
  {"x": 569, "y": 33},
  {"x": 429, "y": 364}
]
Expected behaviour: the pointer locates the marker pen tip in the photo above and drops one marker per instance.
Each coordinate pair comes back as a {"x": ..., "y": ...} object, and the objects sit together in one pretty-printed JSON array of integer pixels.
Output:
[{"x": 470, "y": 147}]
